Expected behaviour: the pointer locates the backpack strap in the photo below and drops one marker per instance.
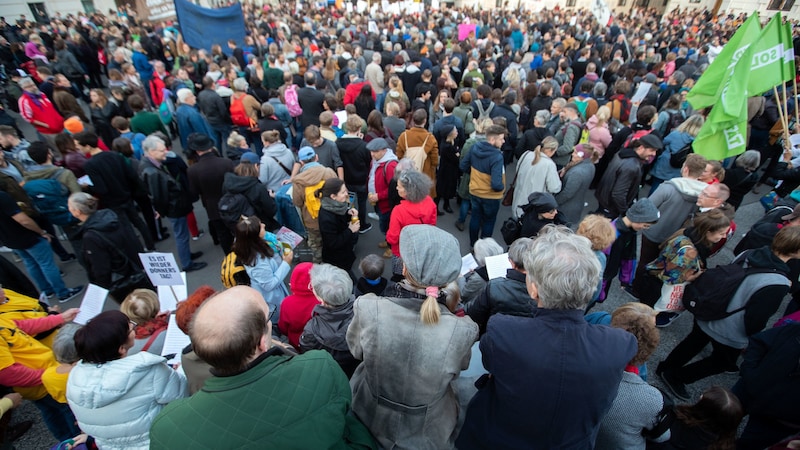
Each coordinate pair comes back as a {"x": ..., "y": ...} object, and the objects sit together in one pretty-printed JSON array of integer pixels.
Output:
[
  {"x": 152, "y": 339},
  {"x": 288, "y": 172}
]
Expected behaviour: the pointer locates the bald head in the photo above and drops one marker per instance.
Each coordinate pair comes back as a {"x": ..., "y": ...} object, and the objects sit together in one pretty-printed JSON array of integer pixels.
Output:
[{"x": 231, "y": 329}]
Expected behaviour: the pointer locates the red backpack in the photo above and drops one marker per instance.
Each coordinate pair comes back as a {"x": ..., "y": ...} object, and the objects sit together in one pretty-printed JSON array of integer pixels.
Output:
[
  {"x": 635, "y": 136},
  {"x": 239, "y": 115}
]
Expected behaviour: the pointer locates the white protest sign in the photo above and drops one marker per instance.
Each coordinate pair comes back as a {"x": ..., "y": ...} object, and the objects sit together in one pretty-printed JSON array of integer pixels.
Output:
[
  {"x": 167, "y": 295},
  {"x": 641, "y": 92},
  {"x": 92, "y": 304},
  {"x": 161, "y": 268}
]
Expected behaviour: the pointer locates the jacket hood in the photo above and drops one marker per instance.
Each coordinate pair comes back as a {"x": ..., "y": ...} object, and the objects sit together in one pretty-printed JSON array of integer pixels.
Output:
[
  {"x": 592, "y": 122},
  {"x": 628, "y": 153},
  {"x": 103, "y": 220},
  {"x": 688, "y": 187},
  {"x": 237, "y": 184},
  {"x": 38, "y": 172},
  {"x": 332, "y": 330},
  {"x": 591, "y": 76},
  {"x": 763, "y": 257},
  {"x": 114, "y": 380},
  {"x": 277, "y": 149},
  {"x": 483, "y": 149},
  {"x": 301, "y": 279}
]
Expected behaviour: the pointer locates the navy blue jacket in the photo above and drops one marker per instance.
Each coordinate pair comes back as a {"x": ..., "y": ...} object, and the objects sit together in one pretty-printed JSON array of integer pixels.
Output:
[{"x": 553, "y": 378}]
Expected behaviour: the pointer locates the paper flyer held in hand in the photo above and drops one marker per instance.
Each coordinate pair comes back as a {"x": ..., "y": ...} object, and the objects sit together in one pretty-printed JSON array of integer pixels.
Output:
[{"x": 92, "y": 304}]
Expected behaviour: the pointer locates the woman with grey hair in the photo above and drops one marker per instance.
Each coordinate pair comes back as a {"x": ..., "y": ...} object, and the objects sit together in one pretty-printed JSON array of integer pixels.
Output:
[
  {"x": 533, "y": 137},
  {"x": 245, "y": 110},
  {"x": 473, "y": 282},
  {"x": 109, "y": 253},
  {"x": 327, "y": 328},
  {"x": 416, "y": 207},
  {"x": 562, "y": 275},
  {"x": 54, "y": 378},
  {"x": 742, "y": 176},
  {"x": 413, "y": 347}
]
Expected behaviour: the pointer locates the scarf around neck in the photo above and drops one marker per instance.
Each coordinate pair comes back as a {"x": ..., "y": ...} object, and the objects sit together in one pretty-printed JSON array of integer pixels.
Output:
[{"x": 334, "y": 206}]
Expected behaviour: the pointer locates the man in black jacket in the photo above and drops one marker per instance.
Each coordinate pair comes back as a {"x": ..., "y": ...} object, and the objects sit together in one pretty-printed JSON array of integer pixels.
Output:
[
  {"x": 205, "y": 180},
  {"x": 356, "y": 162},
  {"x": 310, "y": 100},
  {"x": 169, "y": 199},
  {"x": 216, "y": 111},
  {"x": 620, "y": 184}
]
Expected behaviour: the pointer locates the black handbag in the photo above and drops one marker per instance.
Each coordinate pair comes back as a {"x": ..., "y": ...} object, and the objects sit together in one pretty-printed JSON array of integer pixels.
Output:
[
  {"x": 511, "y": 230},
  {"x": 134, "y": 278}
]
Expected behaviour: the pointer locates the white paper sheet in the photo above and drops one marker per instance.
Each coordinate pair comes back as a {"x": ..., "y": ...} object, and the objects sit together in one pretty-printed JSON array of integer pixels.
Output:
[
  {"x": 496, "y": 266},
  {"x": 289, "y": 237},
  {"x": 92, "y": 304},
  {"x": 85, "y": 181},
  {"x": 467, "y": 263},
  {"x": 167, "y": 300},
  {"x": 795, "y": 140},
  {"x": 175, "y": 341}
]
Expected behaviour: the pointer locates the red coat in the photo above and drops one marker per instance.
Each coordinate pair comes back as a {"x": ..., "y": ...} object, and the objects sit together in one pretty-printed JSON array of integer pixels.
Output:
[
  {"x": 296, "y": 309},
  {"x": 352, "y": 90},
  {"x": 43, "y": 112},
  {"x": 407, "y": 213},
  {"x": 383, "y": 176},
  {"x": 157, "y": 87}
]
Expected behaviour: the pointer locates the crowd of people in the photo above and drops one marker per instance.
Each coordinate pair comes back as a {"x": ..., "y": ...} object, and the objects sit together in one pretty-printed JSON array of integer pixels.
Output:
[{"x": 323, "y": 122}]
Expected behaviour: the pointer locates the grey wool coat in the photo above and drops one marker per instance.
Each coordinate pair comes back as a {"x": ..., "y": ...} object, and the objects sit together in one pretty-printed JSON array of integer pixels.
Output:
[
  {"x": 574, "y": 187},
  {"x": 402, "y": 392}
]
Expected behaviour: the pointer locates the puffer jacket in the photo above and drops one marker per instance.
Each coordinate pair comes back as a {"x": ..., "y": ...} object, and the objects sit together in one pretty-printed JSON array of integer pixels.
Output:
[
  {"x": 327, "y": 330},
  {"x": 507, "y": 295},
  {"x": 130, "y": 391}
]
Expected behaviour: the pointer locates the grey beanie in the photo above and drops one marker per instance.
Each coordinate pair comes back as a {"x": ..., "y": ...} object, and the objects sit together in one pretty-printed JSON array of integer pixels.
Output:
[
  {"x": 431, "y": 255},
  {"x": 643, "y": 211}
]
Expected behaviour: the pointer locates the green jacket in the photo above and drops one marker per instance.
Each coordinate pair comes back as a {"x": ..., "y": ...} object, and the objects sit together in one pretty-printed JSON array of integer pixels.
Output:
[
  {"x": 147, "y": 123},
  {"x": 285, "y": 402}
]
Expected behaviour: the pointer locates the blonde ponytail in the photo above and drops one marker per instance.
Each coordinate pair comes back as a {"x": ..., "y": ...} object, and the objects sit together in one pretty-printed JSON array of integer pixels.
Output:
[{"x": 429, "y": 312}]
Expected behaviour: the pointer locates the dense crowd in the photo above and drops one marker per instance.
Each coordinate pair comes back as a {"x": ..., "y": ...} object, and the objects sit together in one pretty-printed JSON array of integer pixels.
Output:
[{"x": 321, "y": 121}]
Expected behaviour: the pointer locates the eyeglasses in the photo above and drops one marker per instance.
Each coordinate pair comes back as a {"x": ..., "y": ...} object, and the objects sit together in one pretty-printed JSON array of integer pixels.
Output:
[{"x": 133, "y": 324}]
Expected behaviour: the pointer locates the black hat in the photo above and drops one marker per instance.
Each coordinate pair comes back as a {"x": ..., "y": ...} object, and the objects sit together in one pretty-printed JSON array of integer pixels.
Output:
[
  {"x": 542, "y": 202},
  {"x": 197, "y": 142}
]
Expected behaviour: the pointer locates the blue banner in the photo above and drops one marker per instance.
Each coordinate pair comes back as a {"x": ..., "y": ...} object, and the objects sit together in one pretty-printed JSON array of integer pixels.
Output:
[{"x": 204, "y": 27}]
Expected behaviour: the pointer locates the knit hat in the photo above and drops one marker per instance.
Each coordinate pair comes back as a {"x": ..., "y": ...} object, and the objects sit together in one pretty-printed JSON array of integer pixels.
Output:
[
  {"x": 306, "y": 154},
  {"x": 73, "y": 125},
  {"x": 542, "y": 202},
  {"x": 430, "y": 254},
  {"x": 250, "y": 157},
  {"x": 643, "y": 211}
]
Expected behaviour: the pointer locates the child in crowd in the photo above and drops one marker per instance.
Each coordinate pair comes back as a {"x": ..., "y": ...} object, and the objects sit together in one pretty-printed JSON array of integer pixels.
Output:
[{"x": 372, "y": 280}]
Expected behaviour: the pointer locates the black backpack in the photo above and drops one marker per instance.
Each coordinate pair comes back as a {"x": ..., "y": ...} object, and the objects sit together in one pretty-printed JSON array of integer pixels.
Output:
[
  {"x": 709, "y": 295},
  {"x": 232, "y": 206},
  {"x": 677, "y": 159}
]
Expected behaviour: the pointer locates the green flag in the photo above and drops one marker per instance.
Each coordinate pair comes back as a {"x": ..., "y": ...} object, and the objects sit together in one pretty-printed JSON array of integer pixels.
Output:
[
  {"x": 719, "y": 141},
  {"x": 766, "y": 69},
  {"x": 789, "y": 69},
  {"x": 706, "y": 91}
]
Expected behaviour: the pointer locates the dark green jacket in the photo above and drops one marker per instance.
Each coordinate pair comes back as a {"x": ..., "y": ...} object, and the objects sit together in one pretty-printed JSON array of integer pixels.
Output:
[{"x": 282, "y": 402}]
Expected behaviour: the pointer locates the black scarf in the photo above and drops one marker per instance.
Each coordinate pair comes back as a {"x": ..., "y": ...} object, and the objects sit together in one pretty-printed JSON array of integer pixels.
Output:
[{"x": 703, "y": 250}]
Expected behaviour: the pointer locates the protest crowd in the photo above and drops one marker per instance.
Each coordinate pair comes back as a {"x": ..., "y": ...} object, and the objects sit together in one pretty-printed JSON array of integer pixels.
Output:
[{"x": 326, "y": 125}]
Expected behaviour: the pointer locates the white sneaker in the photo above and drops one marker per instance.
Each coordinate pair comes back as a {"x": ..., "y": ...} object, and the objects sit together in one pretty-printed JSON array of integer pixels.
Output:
[{"x": 373, "y": 216}]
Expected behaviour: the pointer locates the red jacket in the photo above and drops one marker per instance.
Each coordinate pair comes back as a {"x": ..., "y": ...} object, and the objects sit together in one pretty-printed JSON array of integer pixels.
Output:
[
  {"x": 352, "y": 90},
  {"x": 407, "y": 213},
  {"x": 157, "y": 87},
  {"x": 383, "y": 176},
  {"x": 296, "y": 308},
  {"x": 43, "y": 112}
]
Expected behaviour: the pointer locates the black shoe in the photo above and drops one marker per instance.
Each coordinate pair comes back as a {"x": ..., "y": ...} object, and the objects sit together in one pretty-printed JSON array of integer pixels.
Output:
[
  {"x": 629, "y": 290},
  {"x": 665, "y": 318},
  {"x": 448, "y": 209},
  {"x": 71, "y": 293},
  {"x": 365, "y": 229},
  {"x": 15, "y": 432},
  {"x": 196, "y": 255},
  {"x": 460, "y": 225},
  {"x": 195, "y": 266},
  {"x": 69, "y": 258},
  {"x": 164, "y": 237},
  {"x": 439, "y": 212},
  {"x": 677, "y": 388}
]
